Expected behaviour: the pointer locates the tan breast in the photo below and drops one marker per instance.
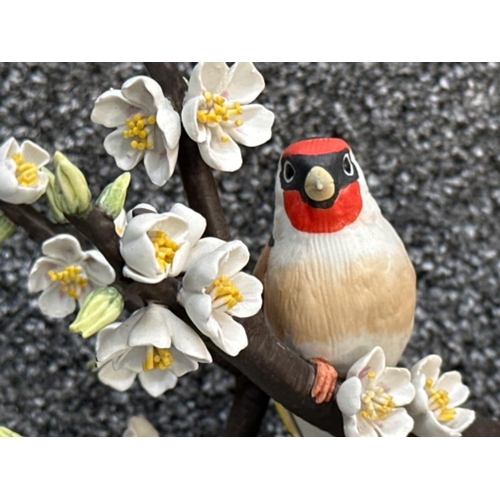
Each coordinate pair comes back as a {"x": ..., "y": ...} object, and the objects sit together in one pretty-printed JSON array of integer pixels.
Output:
[{"x": 330, "y": 305}]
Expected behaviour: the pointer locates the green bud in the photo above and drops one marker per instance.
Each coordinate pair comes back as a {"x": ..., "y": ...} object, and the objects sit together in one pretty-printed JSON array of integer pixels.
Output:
[
  {"x": 100, "y": 308},
  {"x": 7, "y": 227},
  {"x": 7, "y": 433},
  {"x": 72, "y": 194},
  {"x": 51, "y": 197},
  {"x": 112, "y": 198}
]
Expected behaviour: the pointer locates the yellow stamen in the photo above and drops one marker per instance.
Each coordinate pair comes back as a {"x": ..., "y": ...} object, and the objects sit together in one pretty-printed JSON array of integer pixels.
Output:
[
  {"x": 371, "y": 374},
  {"x": 165, "y": 248},
  {"x": 216, "y": 109},
  {"x": 72, "y": 280},
  {"x": 376, "y": 404},
  {"x": 224, "y": 292},
  {"x": 26, "y": 172},
  {"x": 139, "y": 131},
  {"x": 224, "y": 138},
  {"x": 157, "y": 357},
  {"x": 439, "y": 401}
]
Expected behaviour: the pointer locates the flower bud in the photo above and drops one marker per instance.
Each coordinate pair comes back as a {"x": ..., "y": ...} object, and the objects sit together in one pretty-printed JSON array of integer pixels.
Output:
[
  {"x": 7, "y": 227},
  {"x": 100, "y": 308},
  {"x": 7, "y": 433},
  {"x": 51, "y": 197},
  {"x": 72, "y": 194},
  {"x": 112, "y": 198}
]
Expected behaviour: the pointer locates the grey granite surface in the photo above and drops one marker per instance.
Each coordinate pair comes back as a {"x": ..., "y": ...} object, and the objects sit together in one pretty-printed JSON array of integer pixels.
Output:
[{"x": 427, "y": 137}]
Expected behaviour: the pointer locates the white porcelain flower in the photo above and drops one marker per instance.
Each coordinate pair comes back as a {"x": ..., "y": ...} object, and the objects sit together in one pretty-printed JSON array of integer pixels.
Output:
[
  {"x": 155, "y": 246},
  {"x": 434, "y": 408},
  {"x": 154, "y": 344},
  {"x": 214, "y": 290},
  {"x": 372, "y": 397},
  {"x": 217, "y": 113},
  {"x": 22, "y": 179},
  {"x": 147, "y": 126},
  {"x": 67, "y": 275}
]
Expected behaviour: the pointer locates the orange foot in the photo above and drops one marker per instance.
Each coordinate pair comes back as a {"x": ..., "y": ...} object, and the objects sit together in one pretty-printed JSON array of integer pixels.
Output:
[{"x": 324, "y": 383}]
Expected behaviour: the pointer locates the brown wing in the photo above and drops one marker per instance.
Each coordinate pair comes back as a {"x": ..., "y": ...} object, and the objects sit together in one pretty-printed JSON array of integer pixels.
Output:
[{"x": 260, "y": 269}]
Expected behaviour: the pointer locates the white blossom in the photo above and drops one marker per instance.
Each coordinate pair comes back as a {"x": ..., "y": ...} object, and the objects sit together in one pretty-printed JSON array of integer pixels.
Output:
[
  {"x": 153, "y": 344},
  {"x": 435, "y": 407},
  {"x": 217, "y": 113},
  {"x": 214, "y": 290},
  {"x": 22, "y": 179},
  {"x": 372, "y": 398},
  {"x": 66, "y": 275},
  {"x": 155, "y": 245},
  {"x": 147, "y": 127}
]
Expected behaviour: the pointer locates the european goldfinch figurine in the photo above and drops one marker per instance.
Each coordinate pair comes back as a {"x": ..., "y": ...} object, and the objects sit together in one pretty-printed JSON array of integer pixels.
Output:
[{"x": 337, "y": 278}]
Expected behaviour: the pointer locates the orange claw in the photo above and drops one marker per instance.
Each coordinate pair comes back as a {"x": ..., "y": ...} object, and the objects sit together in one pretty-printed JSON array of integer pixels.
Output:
[{"x": 324, "y": 383}]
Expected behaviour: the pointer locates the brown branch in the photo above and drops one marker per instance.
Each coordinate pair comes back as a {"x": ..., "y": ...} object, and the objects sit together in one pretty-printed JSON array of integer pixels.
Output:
[{"x": 35, "y": 223}]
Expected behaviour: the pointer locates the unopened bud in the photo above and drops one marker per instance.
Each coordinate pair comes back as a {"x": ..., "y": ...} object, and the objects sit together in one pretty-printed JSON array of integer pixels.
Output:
[
  {"x": 51, "y": 197},
  {"x": 7, "y": 433},
  {"x": 7, "y": 227},
  {"x": 72, "y": 194},
  {"x": 140, "y": 427},
  {"x": 112, "y": 198},
  {"x": 100, "y": 308}
]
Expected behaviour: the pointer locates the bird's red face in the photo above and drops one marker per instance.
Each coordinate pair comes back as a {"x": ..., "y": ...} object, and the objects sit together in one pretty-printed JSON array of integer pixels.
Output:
[{"x": 321, "y": 191}]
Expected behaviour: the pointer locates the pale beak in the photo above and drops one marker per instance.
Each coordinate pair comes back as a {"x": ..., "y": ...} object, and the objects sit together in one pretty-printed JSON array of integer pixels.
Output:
[{"x": 319, "y": 185}]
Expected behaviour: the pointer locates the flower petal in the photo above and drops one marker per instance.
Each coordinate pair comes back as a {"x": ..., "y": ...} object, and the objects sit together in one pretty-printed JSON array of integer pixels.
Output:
[
  {"x": 233, "y": 257},
  {"x": 39, "y": 279},
  {"x": 251, "y": 290},
  {"x": 349, "y": 396},
  {"x": 97, "y": 268},
  {"x": 131, "y": 359},
  {"x": 351, "y": 426},
  {"x": 196, "y": 131},
  {"x": 213, "y": 76},
  {"x": 151, "y": 329},
  {"x": 120, "y": 149},
  {"x": 64, "y": 248},
  {"x": 121, "y": 380},
  {"x": 365, "y": 428},
  {"x": 199, "y": 309},
  {"x": 9, "y": 187},
  {"x": 427, "y": 425},
  {"x": 157, "y": 164},
  {"x": 184, "y": 338},
  {"x": 256, "y": 127},
  {"x": 396, "y": 382},
  {"x": 373, "y": 361},
  {"x": 231, "y": 337},
  {"x": 156, "y": 382},
  {"x": 452, "y": 383},
  {"x": 140, "y": 278},
  {"x": 397, "y": 424},
  {"x": 110, "y": 341},
  {"x": 203, "y": 248},
  {"x": 111, "y": 109},
  {"x": 429, "y": 366},
  {"x": 420, "y": 403},
  {"x": 182, "y": 364},
  {"x": 244, "y": 83},
  {"x": 33, "y": 153},
  {"x": 8, "y": 148},
  {"x": 56, "y": 304},
  {"x": 463, "y": 418},
  {"x": 225, "y": 156},
  {"x": 169, "y": 123},
  {"x": 196, "y": 222},
  {"x": 143, "y": 92}
]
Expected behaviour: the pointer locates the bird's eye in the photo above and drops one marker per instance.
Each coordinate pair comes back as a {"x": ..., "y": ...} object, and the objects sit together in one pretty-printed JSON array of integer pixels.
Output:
[
  {"x": 347, "y": 166},
  {"x": 288, "y": 172}
]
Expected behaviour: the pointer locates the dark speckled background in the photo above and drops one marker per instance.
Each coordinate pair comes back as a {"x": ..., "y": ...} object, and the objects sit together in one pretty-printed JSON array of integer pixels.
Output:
[{"x": 427, "y": 137}]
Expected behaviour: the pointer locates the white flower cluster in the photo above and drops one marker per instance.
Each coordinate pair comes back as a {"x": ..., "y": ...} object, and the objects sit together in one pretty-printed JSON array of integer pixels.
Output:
[
  {"x": 380, "y": 401},
  {"x": 217, "y": 114},
  {"x": 153, "y": 343}
]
